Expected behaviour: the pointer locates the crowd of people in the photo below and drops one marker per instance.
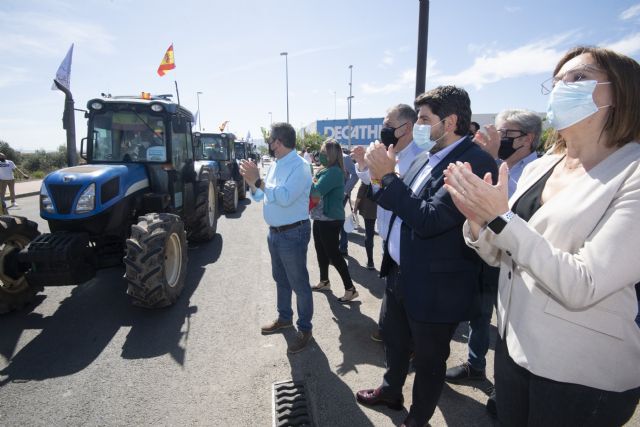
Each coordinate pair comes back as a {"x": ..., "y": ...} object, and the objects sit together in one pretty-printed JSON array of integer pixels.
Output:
[{"x": 471, "y": 219}]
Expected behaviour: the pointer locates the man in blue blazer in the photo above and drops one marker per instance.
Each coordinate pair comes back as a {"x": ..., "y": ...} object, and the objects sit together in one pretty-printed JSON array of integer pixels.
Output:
[{"x": 433, "y": 278}]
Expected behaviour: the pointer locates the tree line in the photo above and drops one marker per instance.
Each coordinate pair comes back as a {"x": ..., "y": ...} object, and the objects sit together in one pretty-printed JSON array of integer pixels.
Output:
[{"x": 36, "y": 164}]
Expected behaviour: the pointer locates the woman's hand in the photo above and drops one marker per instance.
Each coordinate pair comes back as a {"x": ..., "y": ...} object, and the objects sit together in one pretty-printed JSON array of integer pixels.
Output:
[{"x": 477, "y": 199}]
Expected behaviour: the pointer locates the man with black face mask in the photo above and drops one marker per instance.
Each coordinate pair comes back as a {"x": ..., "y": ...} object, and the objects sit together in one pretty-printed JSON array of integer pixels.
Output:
[
  {"x": 397, "y": 129},
  {"x": 514, "y": 140}
]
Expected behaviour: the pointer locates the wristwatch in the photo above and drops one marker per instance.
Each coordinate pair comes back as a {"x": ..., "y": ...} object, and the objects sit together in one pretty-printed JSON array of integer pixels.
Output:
[
  {"x": 258, "y": 183},
  {"x": 388, "y": 179},
  {"x": 500, "y": 222}
]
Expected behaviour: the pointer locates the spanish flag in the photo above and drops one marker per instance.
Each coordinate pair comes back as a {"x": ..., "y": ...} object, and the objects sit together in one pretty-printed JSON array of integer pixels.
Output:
[{"x": 168, "y": 62}]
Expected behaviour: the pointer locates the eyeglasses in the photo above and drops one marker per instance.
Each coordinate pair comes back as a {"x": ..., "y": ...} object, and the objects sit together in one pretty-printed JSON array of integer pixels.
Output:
[
  {"x": 511, "y": 133},
  {"x": 396, "y": 128},
  {"x": 576, "y": 74}
]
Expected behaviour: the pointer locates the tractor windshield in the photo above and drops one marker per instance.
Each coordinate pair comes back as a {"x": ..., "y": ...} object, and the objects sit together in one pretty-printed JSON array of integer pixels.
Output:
[
  {"x": 128, "y": 136},
  {"x": 240, "y": 152},
  {"x": 214, "y": 147}
]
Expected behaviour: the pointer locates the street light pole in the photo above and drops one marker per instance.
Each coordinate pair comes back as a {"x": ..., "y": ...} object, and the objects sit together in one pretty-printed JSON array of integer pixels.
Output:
[
  {"x": 423, "y": 37},
  {"x": 349, "y": 102},
  {"x": 286, "y": 67},
  {"x": 199, "y": 112}
]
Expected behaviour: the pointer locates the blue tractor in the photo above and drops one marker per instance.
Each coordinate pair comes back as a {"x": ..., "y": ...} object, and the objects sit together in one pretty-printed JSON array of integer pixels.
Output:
[
  {"x": 138, "y": 199},
  {"x": 221, "y": 148}
]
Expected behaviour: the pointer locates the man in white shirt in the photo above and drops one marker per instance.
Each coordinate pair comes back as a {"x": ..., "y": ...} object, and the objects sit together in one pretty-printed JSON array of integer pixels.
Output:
[
  {"x": 7, "y": 179},
  {"x": 398, "y": 130}
]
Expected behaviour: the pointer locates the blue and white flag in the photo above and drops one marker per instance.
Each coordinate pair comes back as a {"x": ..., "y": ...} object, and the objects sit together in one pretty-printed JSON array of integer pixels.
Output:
[{"x": 63, "y": 75}]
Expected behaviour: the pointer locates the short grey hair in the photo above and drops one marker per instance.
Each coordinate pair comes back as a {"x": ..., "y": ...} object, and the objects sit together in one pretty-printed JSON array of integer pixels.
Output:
[
  {"x": 405, "y": 112},
  {"x": 528, "y": 122}
]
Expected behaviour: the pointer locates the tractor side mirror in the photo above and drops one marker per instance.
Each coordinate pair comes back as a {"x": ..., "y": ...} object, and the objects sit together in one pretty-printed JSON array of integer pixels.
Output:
[{"x": 83, "y": 153}]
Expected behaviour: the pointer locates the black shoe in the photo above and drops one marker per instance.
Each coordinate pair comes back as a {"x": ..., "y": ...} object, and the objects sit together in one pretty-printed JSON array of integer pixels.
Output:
[
  {"x": 344, "y": 253},
  {"x": 300, "y": 343},
  {"x": 374, "y": 397},
  {"x": 463, "y": 372},
  {"x": 492, "y": 407},
  {"x": 370, "y": 265}
]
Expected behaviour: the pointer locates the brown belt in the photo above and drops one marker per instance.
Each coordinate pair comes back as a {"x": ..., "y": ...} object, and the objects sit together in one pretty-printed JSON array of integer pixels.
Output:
[{"x": 287, "y": 226}]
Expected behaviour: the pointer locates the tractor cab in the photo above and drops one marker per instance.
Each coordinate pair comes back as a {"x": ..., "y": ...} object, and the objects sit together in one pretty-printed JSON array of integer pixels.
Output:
[{"x": 222, "y": 149}]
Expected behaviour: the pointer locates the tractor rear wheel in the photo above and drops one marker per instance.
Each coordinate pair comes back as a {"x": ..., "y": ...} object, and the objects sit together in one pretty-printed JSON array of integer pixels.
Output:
[
  {"x": 230, "y": 196},
  {"x": 156, "y": 260},
  {"x": 15, "y": 233},
  {"x": 204, "y": 222}
]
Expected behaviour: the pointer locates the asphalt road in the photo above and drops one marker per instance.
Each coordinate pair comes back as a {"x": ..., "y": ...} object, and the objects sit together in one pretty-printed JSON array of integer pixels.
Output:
[{"x": 84, "y": 356}]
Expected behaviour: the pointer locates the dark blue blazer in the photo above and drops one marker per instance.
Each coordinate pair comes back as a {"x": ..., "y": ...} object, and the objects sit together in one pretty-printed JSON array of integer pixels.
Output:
[{"x": 439, "y": 275}]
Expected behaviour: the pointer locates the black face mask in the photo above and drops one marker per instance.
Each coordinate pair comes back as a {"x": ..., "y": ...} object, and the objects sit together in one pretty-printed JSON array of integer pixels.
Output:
[
  {"x": 387, "y": 135},
  {"x": 506, "y": 147}
]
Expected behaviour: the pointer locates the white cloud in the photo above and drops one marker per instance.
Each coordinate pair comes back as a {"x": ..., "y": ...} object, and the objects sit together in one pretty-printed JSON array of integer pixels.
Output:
[
  {"x": 630, "y": 12},
  {"x": 387, "y": 58},
  {"x": 38, "y": 34},
  {"x": 629, "y": 45},
  {"x": 512, "y": 9},
  {"x": 533, "y": 58},
  {"x": 407, "y": 79},
  {"x": 10, "y": 76}
]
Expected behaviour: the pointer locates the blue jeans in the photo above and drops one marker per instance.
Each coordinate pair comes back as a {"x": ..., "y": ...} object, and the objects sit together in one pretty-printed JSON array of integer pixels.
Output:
[{"x": 288, "y": 251}]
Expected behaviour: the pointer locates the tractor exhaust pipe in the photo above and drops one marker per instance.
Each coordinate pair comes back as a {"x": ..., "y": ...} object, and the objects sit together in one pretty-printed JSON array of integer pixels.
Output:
[{"x": 69, "y": 124}]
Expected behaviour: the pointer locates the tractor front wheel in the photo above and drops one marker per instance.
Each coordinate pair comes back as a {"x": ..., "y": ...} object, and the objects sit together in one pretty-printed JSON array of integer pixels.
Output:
[
  {"x": 202, "y": 226},
  {"x": 156, "y": 260}
]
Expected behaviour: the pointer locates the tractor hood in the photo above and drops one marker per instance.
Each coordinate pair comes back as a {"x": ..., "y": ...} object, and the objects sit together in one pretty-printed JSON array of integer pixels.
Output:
[{"x": 87, "y": 190}]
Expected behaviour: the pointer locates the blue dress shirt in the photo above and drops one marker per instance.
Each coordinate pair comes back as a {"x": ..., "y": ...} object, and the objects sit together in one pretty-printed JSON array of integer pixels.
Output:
[{"x": 286, "y": 191}]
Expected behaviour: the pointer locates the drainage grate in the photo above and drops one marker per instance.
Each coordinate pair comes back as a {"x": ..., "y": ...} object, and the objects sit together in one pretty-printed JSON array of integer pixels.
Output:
[{"x": 290, "y": 404}]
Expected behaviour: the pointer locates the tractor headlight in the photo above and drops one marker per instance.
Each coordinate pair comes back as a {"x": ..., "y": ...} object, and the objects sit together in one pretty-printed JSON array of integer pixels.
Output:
[
  {"x": 87, "y": 200},
  {"x": 46, "y": 204}
]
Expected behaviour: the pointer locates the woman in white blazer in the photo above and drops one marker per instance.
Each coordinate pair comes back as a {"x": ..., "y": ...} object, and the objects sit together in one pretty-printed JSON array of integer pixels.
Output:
[{"x": 567, "y": 244}]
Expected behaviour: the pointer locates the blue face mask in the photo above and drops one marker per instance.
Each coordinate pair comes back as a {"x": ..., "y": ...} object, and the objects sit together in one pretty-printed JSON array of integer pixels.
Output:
[
  {"x": 571, "y": 103},
  {"x": 422, "y": 136}
]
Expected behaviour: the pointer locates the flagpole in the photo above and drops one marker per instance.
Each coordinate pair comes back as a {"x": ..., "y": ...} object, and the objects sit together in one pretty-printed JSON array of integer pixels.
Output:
[{"x": 177, "y": 92}]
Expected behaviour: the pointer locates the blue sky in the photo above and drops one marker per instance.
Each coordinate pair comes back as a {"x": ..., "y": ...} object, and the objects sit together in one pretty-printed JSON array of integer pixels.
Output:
[{"x": 230, "y": 51}]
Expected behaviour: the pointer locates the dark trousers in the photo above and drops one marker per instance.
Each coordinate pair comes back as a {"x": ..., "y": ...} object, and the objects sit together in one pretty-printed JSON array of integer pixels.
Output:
[
  {"x": 525, "y": 399},
  {"x": 430, "y": 343},
  {"x": 369, "y": 232},
  {"x": 325, "y": 238}
]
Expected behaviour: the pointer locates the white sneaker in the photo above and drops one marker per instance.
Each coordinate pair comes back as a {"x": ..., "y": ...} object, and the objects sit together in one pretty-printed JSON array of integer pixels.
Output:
[{"x": 13, "y": 205}]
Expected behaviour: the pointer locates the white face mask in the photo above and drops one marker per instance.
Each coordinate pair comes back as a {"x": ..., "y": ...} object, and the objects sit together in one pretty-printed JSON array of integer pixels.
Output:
[
  {"x": 422, "y": 136},
  {"x": 570, "y": 103}
]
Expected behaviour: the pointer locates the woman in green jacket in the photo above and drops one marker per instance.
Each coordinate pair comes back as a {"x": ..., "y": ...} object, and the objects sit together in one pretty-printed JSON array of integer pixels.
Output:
[{"x": 327, "y": 193}]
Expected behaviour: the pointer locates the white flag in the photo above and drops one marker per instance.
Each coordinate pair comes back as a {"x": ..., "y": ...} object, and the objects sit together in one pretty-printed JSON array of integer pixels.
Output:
[
  {"x": 195, "y": 120},
  {"x": 63, "y": 75}
]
